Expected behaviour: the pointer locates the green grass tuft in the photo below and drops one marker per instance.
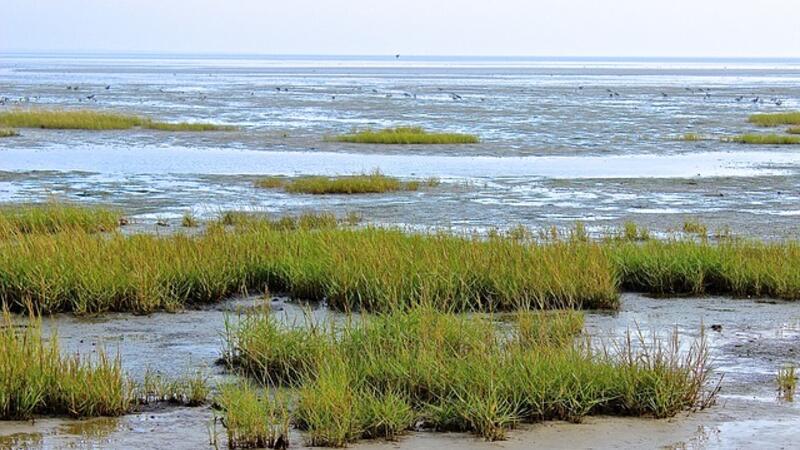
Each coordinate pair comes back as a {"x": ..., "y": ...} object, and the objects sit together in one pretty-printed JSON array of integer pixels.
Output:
[
  {"x": 253, "y": 419},
  {"x": 765, "y": 139},
  {"x": 405, "y": 135},
  {"x": 793, "y": 130},
  {"x": 775, "y": 119},
  {"x": 8, "y": 132},
  {"x": 787, "y": 382},
  {"x": 376, "y": 376}
]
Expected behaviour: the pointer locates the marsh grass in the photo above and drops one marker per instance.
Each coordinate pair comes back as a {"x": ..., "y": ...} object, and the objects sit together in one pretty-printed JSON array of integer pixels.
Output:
[
  {"x": 186, "y": 390},
  {"x": 405, "y": 135},
  {"x": 253, "y": 418},
  {"x": 376, "y": 376},
  {"x": 793, "y": 130},
  {"x": 692, "y": 137},
  {"x": 35, "y": 379},
  {"x": 85, "y": 119},
  {"x": 54, "y": 217},
  {"x": 365, "y": 183},
  {"x": 775, "y": 119},
  {"x": 8, "y": 132},
  {"x": 694, "y": 227},
  {"x": 765, "y": 139},
  {"x": 787, "y": 382},
  {"x": 188, "y": 220}
]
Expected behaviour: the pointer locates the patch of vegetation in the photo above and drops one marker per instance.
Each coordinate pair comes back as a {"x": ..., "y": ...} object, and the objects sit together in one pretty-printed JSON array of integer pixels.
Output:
[
  {"x": 405, "y": 135},
  {"x": 253, "y": 418},
  {"x": 633, "y": 232},
  {"x": 187, "y": 126},
  {"x": 36, "y": 379},
  {"x": 377, "y": 376},
  {"x": 787, "y": 382},
  {"x": 188, "y": 390},
  {"x": 315, "y": 257},
  {"x": 775, "y": 119},
  {"x": 8, "y": 132},
  {"x": 85, "y": 119},
  {"x": 691, "y": 137},
  {"x": 55, "y": 217},
  {"x": 694, "y": 227},
  {"x": 189, "y": 220},
  {"x": 765, "y": 139},
  {"x": 370, "y": 183},
  {"x": 793, "y": 130}
]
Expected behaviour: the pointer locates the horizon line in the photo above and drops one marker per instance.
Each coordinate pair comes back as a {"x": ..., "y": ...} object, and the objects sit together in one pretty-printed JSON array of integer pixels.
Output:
[{"x": 383, "y": 55}]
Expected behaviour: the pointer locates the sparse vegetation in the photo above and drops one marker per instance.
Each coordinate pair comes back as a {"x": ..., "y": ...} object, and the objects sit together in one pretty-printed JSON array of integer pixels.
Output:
[
  {"x": 8, "y": 132},
  {"x": 793, "y": 130},
  {"x": 775, "y": 119},
  {"x": 694, "y": 227},
  {"x": 189, "y": 220},
  {"x": 765, "y": 139},
  {"x": 370, "y": 183},
  {"x": 691, "y": 137},
  {"x": 187, "y": 390},
  {"x": 85, "y": 119},
  {"x": 378, "y": 375},
  {"x": 787, "y": 382},
  {"x": 405, "y": 135}
]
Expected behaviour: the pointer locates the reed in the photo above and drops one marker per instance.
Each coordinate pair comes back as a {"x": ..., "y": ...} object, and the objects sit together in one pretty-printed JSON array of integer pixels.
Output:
[
  {"x": 405, "y": 135},
  {"x": 377, "y": 376}
]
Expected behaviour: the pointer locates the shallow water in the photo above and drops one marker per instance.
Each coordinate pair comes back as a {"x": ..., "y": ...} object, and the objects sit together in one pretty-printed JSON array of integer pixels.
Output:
[{"x": 557, "y": 146}]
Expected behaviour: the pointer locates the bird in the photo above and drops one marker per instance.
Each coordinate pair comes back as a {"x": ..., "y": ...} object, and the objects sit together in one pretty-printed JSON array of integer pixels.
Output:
[
  {"x": 90, "y": 97},
  {"x": 397, "y": 56},
  {"x": 108, "y": 86}
]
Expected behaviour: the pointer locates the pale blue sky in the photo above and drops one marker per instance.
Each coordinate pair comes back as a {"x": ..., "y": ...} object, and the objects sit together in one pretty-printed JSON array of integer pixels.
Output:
[{"x": 423, "y": 27}]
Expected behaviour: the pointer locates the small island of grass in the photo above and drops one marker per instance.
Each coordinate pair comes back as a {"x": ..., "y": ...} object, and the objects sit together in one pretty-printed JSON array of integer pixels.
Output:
[
  {"x": 85, "y": 119},
  {"x": 404, "y": 136},
  {"x": 793, "y": 130},
  {"x": 365, "y": 183},
  {"x": 764, "y": 139},
  {"x": 775, "y": 119}
]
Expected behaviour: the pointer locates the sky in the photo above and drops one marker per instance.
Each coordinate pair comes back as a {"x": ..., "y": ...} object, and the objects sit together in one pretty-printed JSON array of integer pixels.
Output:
[{"x": 658, "y": 28}]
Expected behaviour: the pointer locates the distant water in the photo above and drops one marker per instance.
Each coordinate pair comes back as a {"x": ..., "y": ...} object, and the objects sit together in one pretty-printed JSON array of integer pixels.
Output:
[{"x": 553, "y": 130}]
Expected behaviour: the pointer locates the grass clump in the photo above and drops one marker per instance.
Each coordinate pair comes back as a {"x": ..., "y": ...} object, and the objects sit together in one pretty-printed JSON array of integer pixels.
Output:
[
  {"x": 188, "y": 220},
  {"x": 253, "y": 418},
  {"x": 377, "y": 376},
  {"x": 787, "y": 382},
  {"x": 8, "y": 132},
  {"x": 187, "y": 390},
  {"x": 691, "y": 137},
  {"x": 694, "y": 227},
  {"x": 54, "y": 217},
  {"x": 405, "y": 135},
  {"x": 36, "y": 379},
  {"x": 775, "y": 119},
  {"x": 765, "y": 139},
  {"x": 366, "y": 183},
  {"x": 793, "y": 130},
  {"x": 85, "y": 119}
]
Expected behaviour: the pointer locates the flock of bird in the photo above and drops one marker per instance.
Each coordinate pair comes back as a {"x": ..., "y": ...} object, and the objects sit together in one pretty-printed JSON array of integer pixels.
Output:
[{"x": 610, "y": 93}]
